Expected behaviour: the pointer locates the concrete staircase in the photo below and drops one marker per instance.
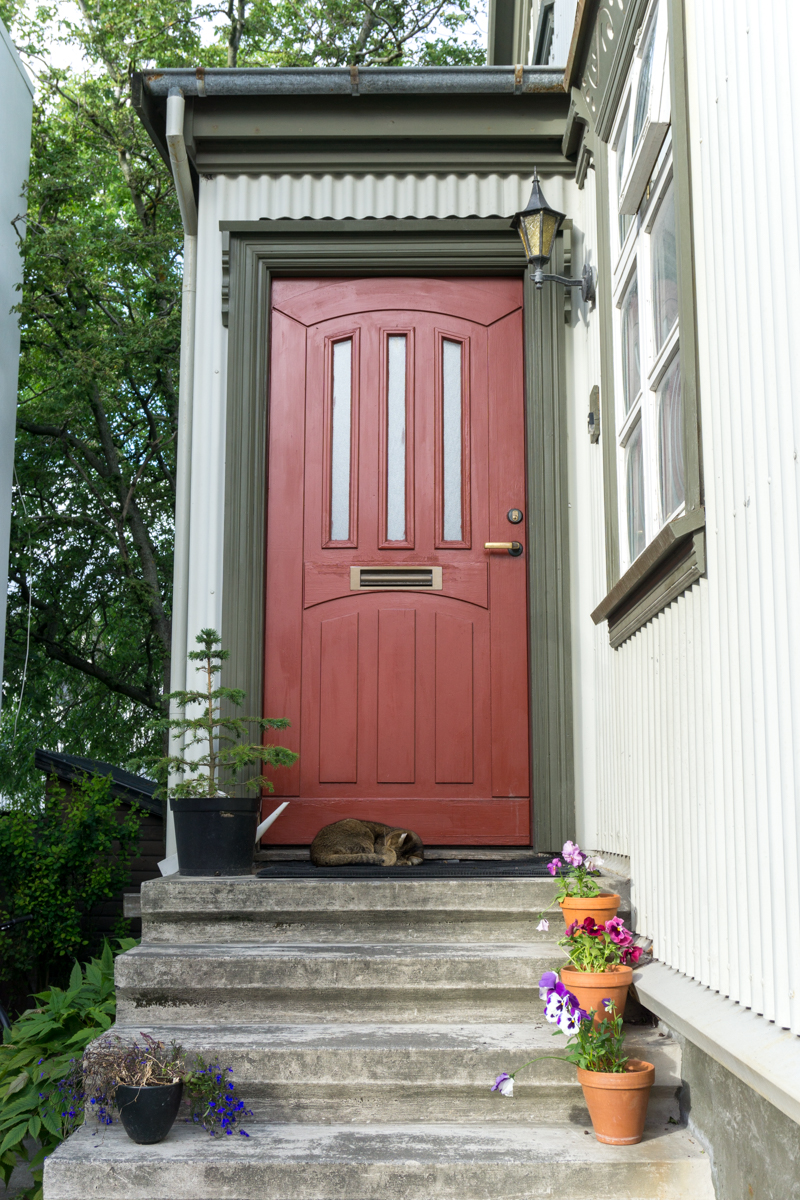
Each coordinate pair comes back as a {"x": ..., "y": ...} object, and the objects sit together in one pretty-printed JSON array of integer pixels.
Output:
[{"x": 365, "y": 1022}]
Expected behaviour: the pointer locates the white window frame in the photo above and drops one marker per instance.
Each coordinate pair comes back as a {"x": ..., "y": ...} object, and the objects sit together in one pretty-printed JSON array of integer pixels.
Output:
[
  {"x": 641, "y": 158},
  {"x": 632, "y": 254}
]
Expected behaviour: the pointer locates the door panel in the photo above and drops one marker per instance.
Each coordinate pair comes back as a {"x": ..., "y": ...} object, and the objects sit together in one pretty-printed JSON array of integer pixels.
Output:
[{"x": 395, "y": 643}]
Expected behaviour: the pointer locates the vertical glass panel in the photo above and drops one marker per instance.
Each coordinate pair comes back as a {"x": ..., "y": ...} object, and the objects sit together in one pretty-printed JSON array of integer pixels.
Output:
[
  {"x": 340, "y": 441},
  {"x": 663, "y": 250},
  {"x": 670, "y": 440},
  {"x": 396, "y": 442},
  {"x": 635, "y": 494},
  {"x": 645, "y": 79},
  {"x": 625, "y": 219},
  {"x": 451, "y": 440},
  {"x": 631, "y": 375}
]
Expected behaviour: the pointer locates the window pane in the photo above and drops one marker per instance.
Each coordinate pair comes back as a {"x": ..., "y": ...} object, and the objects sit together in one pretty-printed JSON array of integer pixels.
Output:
[
  {"x": 451, "y": 439},
  {"x": 643, "y": 90},
  {"x": 396, "y": 442},
  {"x": 665, "y": 269},
  {"x": 635, "y": 494},
  {"x": 670, "y": 440},
  {"x": 625, "y": 220},
  {"x": 340, "y": 442},
  {"x": 631, "y": 376}
]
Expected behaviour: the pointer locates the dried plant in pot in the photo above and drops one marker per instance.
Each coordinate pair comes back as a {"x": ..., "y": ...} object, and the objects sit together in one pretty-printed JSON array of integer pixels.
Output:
[
  {"x": 601, "y": 961},
  {"x": 142, "y": 1080},
  {"x": 215, "y": 823},
  {"x": 616, "y": 1088}
]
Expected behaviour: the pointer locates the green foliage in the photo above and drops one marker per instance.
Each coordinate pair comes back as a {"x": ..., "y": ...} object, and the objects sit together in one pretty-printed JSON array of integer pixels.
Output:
[
  {"x": 57, "y": 860},
  {"x": 226, "y": 754},
  {"x": 598, "y": 1047},
  {"x": 41, "y": 1094}
]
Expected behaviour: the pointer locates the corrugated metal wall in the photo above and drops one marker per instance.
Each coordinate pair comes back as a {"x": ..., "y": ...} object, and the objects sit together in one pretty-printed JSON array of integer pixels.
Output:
[{"x": 697, "y": 718}]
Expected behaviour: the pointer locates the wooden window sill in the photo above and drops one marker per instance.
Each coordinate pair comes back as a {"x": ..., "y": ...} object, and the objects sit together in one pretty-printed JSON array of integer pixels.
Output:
[{"x": 672, "y": 562}]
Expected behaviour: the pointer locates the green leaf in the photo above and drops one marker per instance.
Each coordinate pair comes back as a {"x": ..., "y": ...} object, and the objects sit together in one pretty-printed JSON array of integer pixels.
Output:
[
  {"x": 17, "y": 1084},
  {"x": 50, "y": 1122},
  {"x": 34, "y": 1126},
  {"x": 14, "y": 1137},
  {"x": 76, "y": 979}
]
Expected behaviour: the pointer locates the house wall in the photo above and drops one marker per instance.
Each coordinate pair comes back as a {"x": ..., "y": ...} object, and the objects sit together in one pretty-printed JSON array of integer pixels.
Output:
[
  {"x": 688, "y": 736},
  {"x": 16, "y": 105}
]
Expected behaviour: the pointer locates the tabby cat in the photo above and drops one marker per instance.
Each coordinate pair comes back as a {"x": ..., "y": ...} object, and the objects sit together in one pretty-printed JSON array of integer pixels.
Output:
[{"x": 352, "y": 841}]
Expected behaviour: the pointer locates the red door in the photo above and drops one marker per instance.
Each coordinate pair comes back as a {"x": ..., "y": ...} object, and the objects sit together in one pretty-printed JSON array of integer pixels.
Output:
[{"x": 396, "y": 643}]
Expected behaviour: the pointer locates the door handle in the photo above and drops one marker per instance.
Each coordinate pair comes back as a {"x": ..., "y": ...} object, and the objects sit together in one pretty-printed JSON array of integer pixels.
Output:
[{"x": 513, "y": 548}]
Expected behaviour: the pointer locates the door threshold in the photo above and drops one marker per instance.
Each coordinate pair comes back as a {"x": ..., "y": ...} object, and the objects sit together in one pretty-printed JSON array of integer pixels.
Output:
[{"x": 502, "y": 853}]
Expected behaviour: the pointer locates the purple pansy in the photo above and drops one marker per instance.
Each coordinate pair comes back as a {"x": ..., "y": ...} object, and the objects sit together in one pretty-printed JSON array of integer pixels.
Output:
[
  {"x": 547, "y": 983},
  {"x": 615, "y": 928},
  {"x": 553, "y": 865},
  {"x": 571, "y": 853},
  {"x": 504, "y": 1084}
]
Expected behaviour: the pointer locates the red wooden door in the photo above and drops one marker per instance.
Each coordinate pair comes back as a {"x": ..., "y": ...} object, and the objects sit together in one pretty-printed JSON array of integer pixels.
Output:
[{"x": 396, "y": 644}]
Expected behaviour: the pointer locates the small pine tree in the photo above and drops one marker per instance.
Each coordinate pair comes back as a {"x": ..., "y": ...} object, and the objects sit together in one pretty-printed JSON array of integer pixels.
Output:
[{"x": 226, "y": 752}]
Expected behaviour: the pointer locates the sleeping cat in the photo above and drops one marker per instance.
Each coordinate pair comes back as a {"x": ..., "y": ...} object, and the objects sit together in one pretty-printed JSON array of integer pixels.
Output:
[{"x": 352, "y": 841}]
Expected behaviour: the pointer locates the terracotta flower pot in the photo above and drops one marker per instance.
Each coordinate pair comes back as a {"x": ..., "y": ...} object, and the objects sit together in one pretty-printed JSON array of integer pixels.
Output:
[
  {"x": 593, "y": 987},
  {"x": 602, "y": 907},
  {"x": 617, "y": 1101}
]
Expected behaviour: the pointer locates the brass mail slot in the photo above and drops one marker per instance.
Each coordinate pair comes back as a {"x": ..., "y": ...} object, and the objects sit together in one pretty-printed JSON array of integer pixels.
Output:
[{"x": 391, "y": 579}]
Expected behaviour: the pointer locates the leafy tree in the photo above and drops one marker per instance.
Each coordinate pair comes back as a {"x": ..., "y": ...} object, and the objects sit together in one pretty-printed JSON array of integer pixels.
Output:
[{"x": 92, "y": 527}]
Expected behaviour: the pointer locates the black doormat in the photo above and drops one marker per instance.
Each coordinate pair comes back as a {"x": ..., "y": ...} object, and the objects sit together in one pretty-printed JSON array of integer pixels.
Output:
[{"x": 437, "y": 868}]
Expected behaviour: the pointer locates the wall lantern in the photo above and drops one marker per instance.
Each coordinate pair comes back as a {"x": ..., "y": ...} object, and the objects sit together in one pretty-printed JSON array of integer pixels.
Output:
[{"x": 538, "y": 225}]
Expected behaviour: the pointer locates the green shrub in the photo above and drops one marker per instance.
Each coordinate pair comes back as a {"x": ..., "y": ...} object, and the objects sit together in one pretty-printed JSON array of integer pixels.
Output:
[
  {"x": 41, "y": 1089},
  {"x": 57, "y": 860}
]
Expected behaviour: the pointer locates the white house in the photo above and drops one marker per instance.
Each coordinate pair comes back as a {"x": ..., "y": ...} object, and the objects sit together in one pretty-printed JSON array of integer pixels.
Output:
[
  {"x": 373, "y": 388},
  {"x": 16, "y": 104}
]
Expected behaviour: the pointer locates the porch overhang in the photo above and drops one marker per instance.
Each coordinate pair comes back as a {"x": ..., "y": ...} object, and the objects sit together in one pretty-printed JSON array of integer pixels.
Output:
[{"x": 318, "y": 120}]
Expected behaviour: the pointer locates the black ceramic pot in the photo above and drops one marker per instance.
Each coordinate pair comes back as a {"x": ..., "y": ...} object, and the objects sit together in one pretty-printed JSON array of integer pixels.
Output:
[
  {"x": 148, "y": 1113},
  {"x": 216, "y": 835}
]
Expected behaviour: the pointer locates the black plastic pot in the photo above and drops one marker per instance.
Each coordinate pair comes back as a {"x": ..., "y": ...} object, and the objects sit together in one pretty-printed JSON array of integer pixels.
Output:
[
  {"x": 148, "y": 1113},
  {"x": 216, "y": 835}
]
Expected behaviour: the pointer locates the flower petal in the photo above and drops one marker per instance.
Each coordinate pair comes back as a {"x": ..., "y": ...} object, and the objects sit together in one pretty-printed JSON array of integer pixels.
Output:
[{"x": 543, "y": 926}]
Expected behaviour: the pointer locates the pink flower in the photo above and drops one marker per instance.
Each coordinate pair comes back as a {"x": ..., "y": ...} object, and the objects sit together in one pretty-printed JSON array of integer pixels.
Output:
[
  {"x": 572, "y": 854},
  {"x": 615, "y": 928},
  {"x": 553, "y": 865},
  {"x": 633, "y": 954},
  {"x": 571, "y": 928},
  {"x": 543, "y": 926}
]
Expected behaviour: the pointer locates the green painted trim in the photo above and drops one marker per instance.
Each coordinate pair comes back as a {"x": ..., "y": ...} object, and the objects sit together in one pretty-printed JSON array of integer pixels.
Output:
[
  {"x": 364, "y": 249},
  {"x": 552, "y": 758},
  {"x": 674, "y": 575},
  {"x": 687, "y": 311}
]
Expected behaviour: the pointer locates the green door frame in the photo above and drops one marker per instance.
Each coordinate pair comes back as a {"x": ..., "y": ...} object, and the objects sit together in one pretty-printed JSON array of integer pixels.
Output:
[{"x": 256, "y": 251}]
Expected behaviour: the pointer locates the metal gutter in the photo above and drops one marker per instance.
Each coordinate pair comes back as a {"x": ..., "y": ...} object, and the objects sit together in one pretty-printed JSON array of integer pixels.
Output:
[
  {"x": 183, "y": 488},
  {"x": 353, "y": 81}
]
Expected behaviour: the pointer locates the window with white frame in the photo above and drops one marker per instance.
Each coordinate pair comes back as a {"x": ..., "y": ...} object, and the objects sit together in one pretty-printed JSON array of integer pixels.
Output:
[{"x": 647, "y": 367}]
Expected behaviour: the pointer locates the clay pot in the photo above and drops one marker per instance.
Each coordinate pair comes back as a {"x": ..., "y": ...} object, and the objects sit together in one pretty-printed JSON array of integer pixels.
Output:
[
  {"x": 593, "y": 987},
  {"x": 602, "y": 908},
  {"x": 617, "y": 1101}
]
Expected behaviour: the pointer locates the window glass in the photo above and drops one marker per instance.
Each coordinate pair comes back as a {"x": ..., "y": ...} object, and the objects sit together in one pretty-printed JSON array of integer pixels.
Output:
[
  {"x": 631, "y": 374},
  {"x": 451, "y": 440},
  {"x": 670, "y": 441},
  {"x": 340, "y": 441},
  {"x": 625, "y": 220},
  {"x": 637, "y": 538},
  {"x": 664, "y": 259},
  {"x": 645, "y": 78},
  {"x": 396, "y": 441}
]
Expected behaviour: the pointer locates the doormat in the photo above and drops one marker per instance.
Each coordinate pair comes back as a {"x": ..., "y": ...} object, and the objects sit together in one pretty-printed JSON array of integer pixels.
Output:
[{"x": 529, "y": 868}]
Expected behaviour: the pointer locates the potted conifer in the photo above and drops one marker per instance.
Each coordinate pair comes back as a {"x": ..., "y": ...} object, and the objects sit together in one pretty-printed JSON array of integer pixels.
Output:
[{"x": 215, "y": 829}]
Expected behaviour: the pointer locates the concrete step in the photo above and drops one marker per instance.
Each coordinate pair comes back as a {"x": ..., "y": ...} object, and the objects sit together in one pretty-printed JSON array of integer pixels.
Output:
[
  {"x": 390, "y": 1162},
  {"x": 306, "y": 910},
  {"x": 383, "y": 981},
  {"x": 411, "y": 1073}
]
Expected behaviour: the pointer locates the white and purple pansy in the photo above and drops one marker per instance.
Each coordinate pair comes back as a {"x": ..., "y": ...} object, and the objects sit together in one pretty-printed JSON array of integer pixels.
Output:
[
  {"x": 504, "y": 1084},
  {"x": 547, "y": 983}
]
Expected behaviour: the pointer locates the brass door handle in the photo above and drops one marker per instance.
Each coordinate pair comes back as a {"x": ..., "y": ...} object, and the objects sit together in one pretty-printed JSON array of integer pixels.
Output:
[{"x": 513, "y": 548}]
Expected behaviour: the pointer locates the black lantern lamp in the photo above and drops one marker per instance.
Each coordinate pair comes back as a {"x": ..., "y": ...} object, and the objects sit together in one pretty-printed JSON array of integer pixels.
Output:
[{"x": 538, "y": 225}]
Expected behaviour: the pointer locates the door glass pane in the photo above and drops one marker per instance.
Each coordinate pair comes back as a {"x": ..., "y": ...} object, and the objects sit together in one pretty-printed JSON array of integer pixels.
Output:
[
  {"x": 670, "y": 440},
  {"x": 625, "y": 219},
  {"x": 665, "y": 269},
  {"x": 645, "y": 78},
  {"x": 631, "y": 377},
  {"x": 635, "y": 494},
  {"x": 451, "y": 440},
  {"x": 396, "y": 442},
  {"x": 340, "y": 441}
]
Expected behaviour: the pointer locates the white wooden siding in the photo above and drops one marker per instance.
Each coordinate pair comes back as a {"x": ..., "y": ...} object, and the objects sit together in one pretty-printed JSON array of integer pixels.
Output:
[{"x": 689, "y": 743}]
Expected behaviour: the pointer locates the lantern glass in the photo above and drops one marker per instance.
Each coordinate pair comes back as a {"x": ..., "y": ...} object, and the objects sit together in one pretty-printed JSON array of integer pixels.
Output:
[{"x": 538, "y": 225}]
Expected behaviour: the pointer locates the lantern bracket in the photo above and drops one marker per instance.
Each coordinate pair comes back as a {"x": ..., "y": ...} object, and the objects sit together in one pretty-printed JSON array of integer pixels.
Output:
[{"x": 585, "y": 283}]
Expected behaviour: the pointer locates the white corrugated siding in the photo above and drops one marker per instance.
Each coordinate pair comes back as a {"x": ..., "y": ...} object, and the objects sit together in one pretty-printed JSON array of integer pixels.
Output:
[{"x": 695, "y": 741}]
